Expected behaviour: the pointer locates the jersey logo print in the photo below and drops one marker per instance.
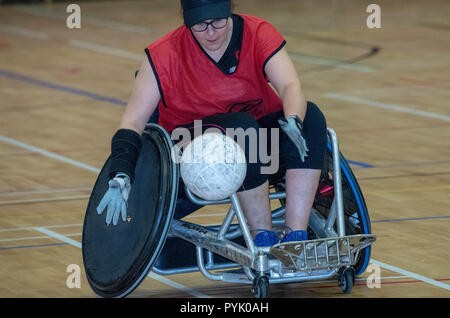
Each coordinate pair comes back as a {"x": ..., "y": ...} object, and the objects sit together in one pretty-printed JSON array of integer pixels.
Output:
[{"x": 252, "y": 107}]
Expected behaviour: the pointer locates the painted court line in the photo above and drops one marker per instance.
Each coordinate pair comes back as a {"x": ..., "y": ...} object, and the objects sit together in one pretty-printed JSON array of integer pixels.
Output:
[
  {"x": 18, "y": 229},
  {"x": 201, "y": 295},
  {"x": 27, "y": 238},
  {"x": 80, "y": 44},
  {"x": 393, "y": 107},
  {"x": 106, "y": 50},
  {"x": 155, "y": 276},
  {"x": 48, "y": 154},
  {"x": 26, "y": 201},
  {"x": 48, "y": 12},
  {"x": 67, "y": 89},
  {"x": 84, "y": 166},
  {"x": 44, "y": 191},
  {"x": 140, "y": 57},
  {"x": 58, "y": 236},
  {"x": 412, "y": 219},
  {"x": 329, "y": 62},
  {"x": 30, "y": 246},
  {"x": 176, "y": 285},
  {"x": 411, "y": 274},
  {"x": 96, "y": 170},
  {"x": 7, "y": 28},
  {"x": 31, "y": 228},
  {"x": 361, "y": 164},
  {"x": 383, "y": 283}
]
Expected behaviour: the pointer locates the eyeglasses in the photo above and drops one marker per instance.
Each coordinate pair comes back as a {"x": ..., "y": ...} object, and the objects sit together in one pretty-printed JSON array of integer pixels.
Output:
[{"x": 216, "y": 24}]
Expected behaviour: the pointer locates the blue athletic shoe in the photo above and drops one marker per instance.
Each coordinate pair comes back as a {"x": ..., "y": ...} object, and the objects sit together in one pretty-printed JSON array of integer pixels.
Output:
[
  {"x": 266, "y": 238},
  {"x": 295, "y": 236}
]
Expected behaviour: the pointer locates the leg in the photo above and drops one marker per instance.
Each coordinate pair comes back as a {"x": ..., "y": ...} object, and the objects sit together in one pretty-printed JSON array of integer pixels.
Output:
[
  {"x": 256, "y": 206},
  {"x": 301, "y": 187},
  {"x": 302, "y": 178}
]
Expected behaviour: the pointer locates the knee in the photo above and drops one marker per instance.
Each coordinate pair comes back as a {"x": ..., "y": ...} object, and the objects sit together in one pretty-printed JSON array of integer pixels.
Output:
[
  {"x": 315, "y": 130},
  {"x": 315, "y": 115}
]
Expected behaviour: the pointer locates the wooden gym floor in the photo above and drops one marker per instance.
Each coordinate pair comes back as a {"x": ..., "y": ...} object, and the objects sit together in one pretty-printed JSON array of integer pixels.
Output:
[{"x": 385, "y": 91}]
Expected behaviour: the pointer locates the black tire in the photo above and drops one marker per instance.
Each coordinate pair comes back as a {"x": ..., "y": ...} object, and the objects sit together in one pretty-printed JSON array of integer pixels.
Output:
[
  {"x": 118, "y": 258},
  {"x": 261, "y": 287},
  {"x": 346, "y": 279}
]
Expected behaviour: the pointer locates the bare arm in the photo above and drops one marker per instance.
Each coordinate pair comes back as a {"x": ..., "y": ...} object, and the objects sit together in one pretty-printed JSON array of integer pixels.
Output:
[
  {"x": 283, "y": 76},
  {"x": 143, "y": 101}
]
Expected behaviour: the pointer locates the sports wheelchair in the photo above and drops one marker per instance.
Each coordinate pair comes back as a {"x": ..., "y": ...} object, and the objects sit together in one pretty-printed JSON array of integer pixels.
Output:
[{"x": 118, "y": 258}]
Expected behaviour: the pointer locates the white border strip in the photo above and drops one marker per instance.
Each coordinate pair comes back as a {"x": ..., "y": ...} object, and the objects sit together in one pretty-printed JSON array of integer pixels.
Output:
[
  {"x": 177, "y": 285},
  {"x": 44, "y": 191},
  {"x": 106, "y": 50},
  {"x": 411, "y": 274},
  {"x": 16, "y": 229},
  {"x": 48, "y": 154},
  {"x": 393, "y": 107},
  {"x": 24, "y": 32},
  {"x": 58, "y": 236},
  {"x": 47, "y": 12},
  {"x": 26, "y": 201},
  {"x": 94, "y": 47},
  {"x": 35, "y": 237},
  {"x": 155, "y": 276}
]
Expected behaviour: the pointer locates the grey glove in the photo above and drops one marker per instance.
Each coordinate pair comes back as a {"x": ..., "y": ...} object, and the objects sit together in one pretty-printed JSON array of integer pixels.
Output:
[
  {"x": 116, "y": 199},
  {"x": 293, "y": 127}
]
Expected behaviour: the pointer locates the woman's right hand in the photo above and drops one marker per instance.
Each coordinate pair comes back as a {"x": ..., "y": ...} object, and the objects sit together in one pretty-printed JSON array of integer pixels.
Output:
[{"x": 115, "y": 199}]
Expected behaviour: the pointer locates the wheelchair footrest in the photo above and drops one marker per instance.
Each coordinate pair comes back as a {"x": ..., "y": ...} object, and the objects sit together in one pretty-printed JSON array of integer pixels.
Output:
[{"x": 322, "y": 253}]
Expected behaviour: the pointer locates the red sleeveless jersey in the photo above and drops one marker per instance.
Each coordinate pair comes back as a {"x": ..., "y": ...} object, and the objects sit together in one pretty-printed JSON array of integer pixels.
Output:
[{"x": 193, "y": 87}]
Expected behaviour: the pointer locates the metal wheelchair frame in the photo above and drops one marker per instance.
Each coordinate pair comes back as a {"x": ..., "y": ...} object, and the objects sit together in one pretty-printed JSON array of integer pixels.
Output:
[{"x": 334, "y": 254}]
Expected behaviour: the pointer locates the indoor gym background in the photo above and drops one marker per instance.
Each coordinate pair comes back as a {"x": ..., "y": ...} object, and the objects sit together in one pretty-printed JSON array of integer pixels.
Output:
[{"x": 384, "y": 90}]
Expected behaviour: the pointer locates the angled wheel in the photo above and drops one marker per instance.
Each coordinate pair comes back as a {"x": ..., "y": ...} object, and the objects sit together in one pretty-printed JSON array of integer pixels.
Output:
[
  {"x": 346, "y": 279},
  {"x": 118, "y": 258},
  {"x": 261, "y": 287}
]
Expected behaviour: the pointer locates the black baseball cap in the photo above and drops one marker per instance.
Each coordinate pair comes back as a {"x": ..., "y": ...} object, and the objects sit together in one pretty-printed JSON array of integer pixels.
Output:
[{"x": 196, "y": 11}]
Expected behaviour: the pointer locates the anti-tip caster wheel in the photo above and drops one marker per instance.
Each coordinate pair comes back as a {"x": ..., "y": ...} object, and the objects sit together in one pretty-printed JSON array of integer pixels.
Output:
[
  {"x": 346, "y": 279},
  {"x": 261, "y": 287}
]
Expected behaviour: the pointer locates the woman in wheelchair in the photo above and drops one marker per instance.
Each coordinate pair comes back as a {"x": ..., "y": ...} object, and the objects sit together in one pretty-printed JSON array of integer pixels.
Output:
[{"x": 217, "y": 68}]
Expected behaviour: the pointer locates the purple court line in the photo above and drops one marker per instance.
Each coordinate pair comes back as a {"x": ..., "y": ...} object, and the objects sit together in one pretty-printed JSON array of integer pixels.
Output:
[
  {"x": 27, "y": 246},
  {"x": 412, "y": 219},
  {"x": 66, "y": 89}
]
